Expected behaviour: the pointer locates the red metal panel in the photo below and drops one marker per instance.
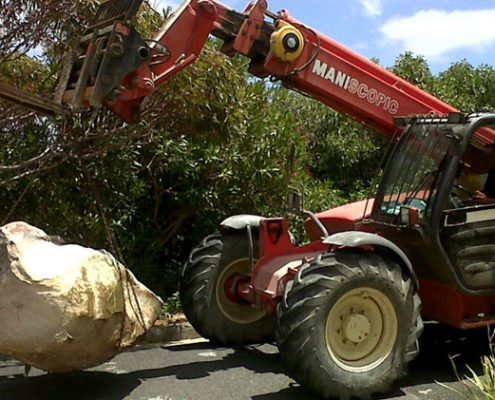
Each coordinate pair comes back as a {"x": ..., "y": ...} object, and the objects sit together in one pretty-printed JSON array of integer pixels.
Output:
[
  {"x": 444, "y": 304},
  {"x": 251, "y": 27},
  {"x": 276, "y": 255},
  {"x": 183, "y": 37},
  {"x": 339, "y": 219}
]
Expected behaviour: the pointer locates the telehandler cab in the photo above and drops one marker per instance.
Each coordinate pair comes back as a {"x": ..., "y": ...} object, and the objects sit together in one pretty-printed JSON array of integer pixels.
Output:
[{"x": 347, "y": 307}]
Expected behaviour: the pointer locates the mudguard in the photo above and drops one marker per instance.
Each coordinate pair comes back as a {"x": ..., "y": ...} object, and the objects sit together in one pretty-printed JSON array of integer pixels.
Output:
[
  {"x": 359, "y": 239},
  {"x": 238, "y": 222}
]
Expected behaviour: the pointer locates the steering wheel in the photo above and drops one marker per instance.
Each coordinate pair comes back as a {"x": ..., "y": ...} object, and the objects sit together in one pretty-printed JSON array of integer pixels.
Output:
[
  {"x": 463, "y": 203},
  {"x": 464, "y": 189}
]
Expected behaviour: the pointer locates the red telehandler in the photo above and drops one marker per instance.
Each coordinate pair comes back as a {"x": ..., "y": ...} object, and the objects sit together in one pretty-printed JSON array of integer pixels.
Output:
[{"x": 347, "y": 307}]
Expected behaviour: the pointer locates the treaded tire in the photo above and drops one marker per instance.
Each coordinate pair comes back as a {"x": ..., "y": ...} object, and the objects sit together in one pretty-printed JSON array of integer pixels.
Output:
[
  {"x": 309, "y": 301},
  {"x": 198, "y": 291}
]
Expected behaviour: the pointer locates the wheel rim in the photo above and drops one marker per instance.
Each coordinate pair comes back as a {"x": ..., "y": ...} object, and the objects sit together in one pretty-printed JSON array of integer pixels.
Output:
[
  {"x": 236, "y": 312},
  {"x": 361, "y": 329}
]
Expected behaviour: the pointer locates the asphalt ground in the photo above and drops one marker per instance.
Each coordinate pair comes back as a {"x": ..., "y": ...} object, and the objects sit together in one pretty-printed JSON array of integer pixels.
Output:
[{"x": 198, "y": 370}]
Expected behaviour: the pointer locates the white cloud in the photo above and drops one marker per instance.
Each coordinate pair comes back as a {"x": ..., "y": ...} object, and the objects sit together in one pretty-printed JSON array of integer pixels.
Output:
[
  {"x": 435, "y": 33},
  {"x": 372, "y": 8}
]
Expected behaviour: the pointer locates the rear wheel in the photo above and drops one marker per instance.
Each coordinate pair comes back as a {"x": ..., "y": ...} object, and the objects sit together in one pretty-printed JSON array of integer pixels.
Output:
[
  {"x": 348, "y": 325},
  {"x": 207, "y": 297}
]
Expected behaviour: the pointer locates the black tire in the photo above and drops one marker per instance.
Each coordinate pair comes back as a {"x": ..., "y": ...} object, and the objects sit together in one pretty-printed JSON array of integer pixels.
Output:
[
  {"x": 205, "y": 308},
  {"x": 322, "y": 287}
]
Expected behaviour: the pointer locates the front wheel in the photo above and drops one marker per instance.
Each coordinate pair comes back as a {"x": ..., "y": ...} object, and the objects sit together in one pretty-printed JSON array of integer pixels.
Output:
[
  {"x": 208, "y": 276},
  {"x": 348, "y": 325}
]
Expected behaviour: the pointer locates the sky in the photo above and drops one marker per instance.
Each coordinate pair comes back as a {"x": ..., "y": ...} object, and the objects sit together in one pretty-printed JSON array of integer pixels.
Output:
[{"x": 442, "y": 31}]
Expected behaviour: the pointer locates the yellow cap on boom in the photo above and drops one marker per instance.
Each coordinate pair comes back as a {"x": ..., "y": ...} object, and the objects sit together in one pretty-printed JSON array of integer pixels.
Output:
[{"x": 287, "y": 42}]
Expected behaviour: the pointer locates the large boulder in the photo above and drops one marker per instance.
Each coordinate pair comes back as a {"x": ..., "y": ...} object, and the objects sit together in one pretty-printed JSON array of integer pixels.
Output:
[{"x": 66, "y": 307}]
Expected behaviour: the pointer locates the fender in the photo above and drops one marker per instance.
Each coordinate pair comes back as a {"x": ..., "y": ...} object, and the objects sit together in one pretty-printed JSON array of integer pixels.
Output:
[
  {"x": 359, "y": 239},
  {"x": 239, "y": 222}
]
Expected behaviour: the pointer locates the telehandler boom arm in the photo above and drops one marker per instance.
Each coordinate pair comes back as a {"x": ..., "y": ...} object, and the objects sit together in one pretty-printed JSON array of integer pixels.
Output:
[
  {"x": 117, "y": 68},
  {"x": 302, "y": 59}
]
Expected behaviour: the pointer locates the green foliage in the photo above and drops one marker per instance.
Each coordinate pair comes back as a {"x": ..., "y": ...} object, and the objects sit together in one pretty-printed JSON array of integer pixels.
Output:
[
  {"x": 476, "y": 386},
  {"x": 484, "y": 385},
  {"x": 172, "y": 305},
  {"x": 341, "y": 151},
  {"x": 212, "y": 142},
  {"x": 468, "y": 88},
  {"x": 415, "y": 70}
]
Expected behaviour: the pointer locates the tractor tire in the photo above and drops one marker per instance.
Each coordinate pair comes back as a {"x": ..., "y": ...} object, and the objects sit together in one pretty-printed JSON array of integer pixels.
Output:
[
  {"x": 205, "y": 303},
  {"x": 349, "y": 324}
]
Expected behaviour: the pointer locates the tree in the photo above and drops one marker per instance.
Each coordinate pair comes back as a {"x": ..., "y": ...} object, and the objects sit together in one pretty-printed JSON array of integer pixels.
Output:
[
  {"x": 212, "y": 142},
  {"x": 467, "y": 88}
]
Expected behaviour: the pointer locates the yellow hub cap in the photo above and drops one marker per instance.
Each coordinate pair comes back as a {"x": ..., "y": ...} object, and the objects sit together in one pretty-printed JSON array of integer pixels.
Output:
[
  {"x": 361, "y": 329},
  {"x": 356, "y": 327},
  {"x": 236, "y": 312}
]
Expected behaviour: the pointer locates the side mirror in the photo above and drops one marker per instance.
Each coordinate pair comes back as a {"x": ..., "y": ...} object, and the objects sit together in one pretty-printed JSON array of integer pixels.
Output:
[
  {"x": 409, "y": 216},
  {"x": 295, "y": 201}
]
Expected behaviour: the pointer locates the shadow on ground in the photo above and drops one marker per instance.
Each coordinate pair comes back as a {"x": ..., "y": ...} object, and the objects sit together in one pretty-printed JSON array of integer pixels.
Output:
[
  {"x": 445, "y": 354},
  {"x": 438, "y": 345},
  {"x": 78, "y": 386}
]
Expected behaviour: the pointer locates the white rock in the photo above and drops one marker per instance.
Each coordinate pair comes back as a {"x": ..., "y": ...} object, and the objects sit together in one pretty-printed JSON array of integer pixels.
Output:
[{"x": 66, "y": 307}]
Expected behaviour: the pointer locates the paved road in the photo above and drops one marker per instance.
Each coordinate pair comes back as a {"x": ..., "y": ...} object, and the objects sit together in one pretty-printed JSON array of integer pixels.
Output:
[{"x": 200, "y": 371}]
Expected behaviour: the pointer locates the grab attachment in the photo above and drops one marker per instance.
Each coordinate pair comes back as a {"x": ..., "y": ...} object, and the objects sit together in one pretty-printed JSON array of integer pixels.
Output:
[{"x": 109, "y": 54}]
